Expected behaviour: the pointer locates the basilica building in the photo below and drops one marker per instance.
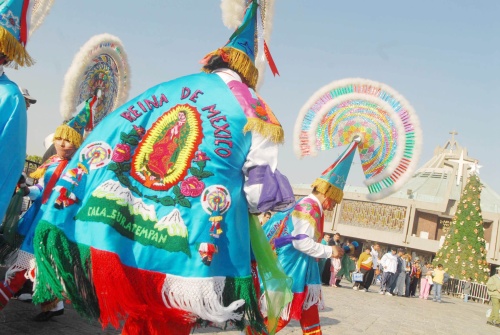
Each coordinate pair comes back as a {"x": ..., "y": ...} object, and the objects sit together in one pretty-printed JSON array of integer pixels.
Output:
[{"x": 418, "y": 216}]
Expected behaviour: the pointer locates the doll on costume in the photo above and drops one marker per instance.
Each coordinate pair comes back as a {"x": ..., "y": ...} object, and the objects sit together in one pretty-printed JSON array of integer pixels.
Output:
[
  {"x": 67, "y": 139},
  {"x": 68, "y": 182}
]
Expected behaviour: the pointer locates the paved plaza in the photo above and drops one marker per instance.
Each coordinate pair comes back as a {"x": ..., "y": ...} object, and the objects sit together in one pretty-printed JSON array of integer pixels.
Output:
[{"x": 346, "y": 312}]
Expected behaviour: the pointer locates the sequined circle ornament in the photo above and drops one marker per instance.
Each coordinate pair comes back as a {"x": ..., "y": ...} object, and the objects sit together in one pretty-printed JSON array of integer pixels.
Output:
[
  {"x": 97, "y": 154},
  {"x": 383, "y": 119},
  {"x": 216, "y": 198}
]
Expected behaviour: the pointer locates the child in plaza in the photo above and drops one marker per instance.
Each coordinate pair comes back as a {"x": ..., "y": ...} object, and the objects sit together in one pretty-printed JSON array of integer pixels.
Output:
[
  {"x": 467, "y": 288},
  {"x": 438, "y": 280},
  {"x": 335, "y": 267},
  {"x": 425, "y": 281}
]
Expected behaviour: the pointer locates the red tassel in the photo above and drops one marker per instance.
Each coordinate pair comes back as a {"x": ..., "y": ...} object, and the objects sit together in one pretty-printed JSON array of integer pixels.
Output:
[
  {"x": 134, "y": 295},
  {"x": 90, "y": 123},
  {"x": 270, "y": 60},
  {"x": 23, "y": 32}
]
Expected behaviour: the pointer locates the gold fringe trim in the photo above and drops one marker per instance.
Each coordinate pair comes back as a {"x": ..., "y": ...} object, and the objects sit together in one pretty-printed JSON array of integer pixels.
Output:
[
  {"x": 304, "y": 216},
  {"x": 67, "y": 133},
  {"x": 239, "y": 62},
  {"x": 13, "y": 49},
  {"x": 271, "y": 131},
  {"x": 329, "y": 190}
]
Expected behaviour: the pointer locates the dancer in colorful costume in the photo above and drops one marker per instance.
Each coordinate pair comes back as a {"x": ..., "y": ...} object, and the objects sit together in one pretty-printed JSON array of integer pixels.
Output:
[
  {"x": 97, "y": 79},
  {"x": 163, "y": 241},
  {"x": 13, "y": 119},
  {"x": 67, "y": 138},
  {"x": 370, "y": 117},
  {"x": 296, "y": 236}
]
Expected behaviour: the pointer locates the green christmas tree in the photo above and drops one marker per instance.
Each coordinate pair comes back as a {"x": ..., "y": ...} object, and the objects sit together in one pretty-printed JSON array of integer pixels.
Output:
[{"x": 463, "y": 253}]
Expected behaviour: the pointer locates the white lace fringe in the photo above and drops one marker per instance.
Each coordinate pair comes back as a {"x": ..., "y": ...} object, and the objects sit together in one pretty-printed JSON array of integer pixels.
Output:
[
  {"x": 314, "y": 296},
  {"x": 201, "y": 296},
  {"x": 24, "y": 261}
]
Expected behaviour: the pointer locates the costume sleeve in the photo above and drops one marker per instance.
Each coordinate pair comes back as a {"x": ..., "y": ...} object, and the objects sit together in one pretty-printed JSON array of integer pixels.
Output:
[
  {"x": 307, "y": 245},
  {"x": 13, "y": 121},
  {"x": 35, "y": 192},
  {"x": 265, "y": 187}
]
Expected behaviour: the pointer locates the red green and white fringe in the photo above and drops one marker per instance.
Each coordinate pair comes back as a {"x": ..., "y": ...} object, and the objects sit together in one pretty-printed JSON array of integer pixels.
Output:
[
  {"x": 100, "y": 286},
  {"x": 301, "y": 301}
]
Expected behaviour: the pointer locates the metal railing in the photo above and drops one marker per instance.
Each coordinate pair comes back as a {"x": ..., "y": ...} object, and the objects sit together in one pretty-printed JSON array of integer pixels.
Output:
[{"x": 477, "y": 291}]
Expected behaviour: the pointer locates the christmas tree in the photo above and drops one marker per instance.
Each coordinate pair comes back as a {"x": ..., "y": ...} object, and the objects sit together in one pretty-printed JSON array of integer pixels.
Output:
[{"x": 463, "y": 253}]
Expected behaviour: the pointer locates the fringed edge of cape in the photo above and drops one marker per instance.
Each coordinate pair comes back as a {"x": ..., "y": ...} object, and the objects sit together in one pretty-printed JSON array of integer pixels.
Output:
[
  {"x": 14, "y": 50},
  {"x": 99, "y": 285},
  {"x": 301, "y": 301},
  {"x": 63, "y": 271},
  {"x": 272, "y": 131}
]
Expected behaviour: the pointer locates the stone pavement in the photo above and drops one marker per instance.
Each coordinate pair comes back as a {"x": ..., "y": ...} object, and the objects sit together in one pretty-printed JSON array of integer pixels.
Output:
[{"x": 346, "y": 312}]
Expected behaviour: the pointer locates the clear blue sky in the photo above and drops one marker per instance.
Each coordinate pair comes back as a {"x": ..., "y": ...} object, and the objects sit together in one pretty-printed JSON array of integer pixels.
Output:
[{"x": 442, "y": 56}]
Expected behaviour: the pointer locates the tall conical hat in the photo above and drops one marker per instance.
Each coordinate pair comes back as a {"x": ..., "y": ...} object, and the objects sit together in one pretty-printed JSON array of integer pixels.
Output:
[
  {"x": 332, "y": 181},
  {"x": 73, "y": 130},
  {"x": 241, "y": 51}
]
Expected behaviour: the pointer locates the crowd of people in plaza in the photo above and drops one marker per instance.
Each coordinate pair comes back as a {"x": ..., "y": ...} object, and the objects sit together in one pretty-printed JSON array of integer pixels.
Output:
[
  {"x": 395, "y": 271},
  {"x": 397, "y": 274}
]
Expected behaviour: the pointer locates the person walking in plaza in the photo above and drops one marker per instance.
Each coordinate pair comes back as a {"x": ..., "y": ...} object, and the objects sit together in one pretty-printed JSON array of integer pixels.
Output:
[
  {"x": 327, "y": 269},
  {"x": 408, "y": 271},
  {"x": 493, "y": 286},
  {"x": 337, "y": 242},
  {"x": 398, "y": 281},
  {"x": 416, "y": 271},
  {"x": 467, "y": 289},
  {"x": 425, "y": 281},
  {"x": 374, "y": 271},
  {"x": 364, "y": 265},
  {"x": 389, "y": 263},
  {"x": 438, "y": 280},
  {"x": 322, "y": 262},
  {"x": 335, "y": 267}
]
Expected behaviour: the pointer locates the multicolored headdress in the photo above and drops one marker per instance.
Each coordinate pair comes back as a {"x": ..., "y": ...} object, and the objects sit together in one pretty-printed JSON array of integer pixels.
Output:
[
  {"x": 100, "y": 71},
  {"x": 387, "y": 125},
  {"x": 73, "y": 130},
  {"x": 14, "y": 31},
  {"x": 333, "y": 179},
  {"x": 241, "y": 51}
]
